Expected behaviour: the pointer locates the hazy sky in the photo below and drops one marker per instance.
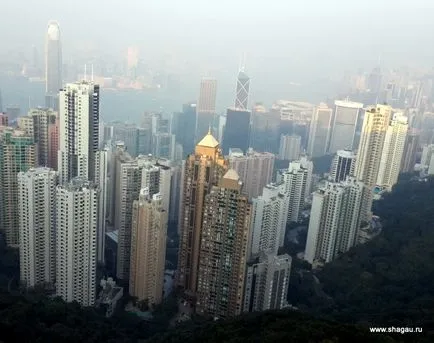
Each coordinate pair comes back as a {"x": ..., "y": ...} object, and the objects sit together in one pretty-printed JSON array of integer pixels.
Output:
[{"x": 285, "y": 40}]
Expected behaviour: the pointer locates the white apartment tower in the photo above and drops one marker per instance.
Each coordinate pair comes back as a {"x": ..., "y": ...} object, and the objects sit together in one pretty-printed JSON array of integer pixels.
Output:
[
  {"x": 78, "y": 131},
  {"x": 267, "y": 281},
  {"x": 255, "y": 170},
  {"x": 334, "y": 221},
  {"x": 76, "y": 241},
  {"x": 37, "y": 225},
  {"x": 290, "y": 147},
  {"x": 268, "y": 224},
  {"x": 297, "y": 180},
  {"x": 393, "y": 150}
]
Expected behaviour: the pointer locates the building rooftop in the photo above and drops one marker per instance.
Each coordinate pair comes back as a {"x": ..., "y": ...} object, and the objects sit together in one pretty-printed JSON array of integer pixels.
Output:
[
  {"x": 231, "y": 174},
  {"x": 209, "y": 141}
]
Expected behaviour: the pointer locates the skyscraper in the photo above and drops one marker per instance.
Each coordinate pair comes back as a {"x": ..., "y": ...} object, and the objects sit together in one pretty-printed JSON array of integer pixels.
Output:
[
  {"x": 223, "y": 249},
  {"x": 185, "y": 128},
  {"x": 265, "y": 131},
  {"x": 37, "y": 226},
  {"x": 18, "y": 153},
  {"x": 206, "y": 107},
  {"x": 243, "y": 87},
  {"x": 343, "y": 165},
  {"x": 53, "y": 143},
  {"x": 375, "y": 125},
  {"x": 53, "y": 64},
  {"x": 237, "y": 130},
  {"x": 78, "y": 130},
  {"x": 393, "y": 150},
  {"x": 267, "y": 282},
  {"x": 76, "y": 241},
  {"x": 269, "y": 217},
  {"x": 297, "y": 181},
  {"x": 148, "y": 248},
  {"x": 40, "y": 120},
  {"x": 320, "y": 128},
  {"x": 101, "y": 181},
  {"x": 410, "y": 151},
  {"x": 131, "y": 176},
  {"x": 202, "y": 170},
  {"x": 290, "y": 146},
  {"x": 334, "y": 221},
  {"x": 255, "y": 170},
  {"x": 344, "y": 125}
]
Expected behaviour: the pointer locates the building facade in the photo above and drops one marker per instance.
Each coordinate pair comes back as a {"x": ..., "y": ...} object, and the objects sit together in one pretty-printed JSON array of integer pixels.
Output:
[
  {"x": 76, "y": 241},
  {"x": 319, "y": 133},
  {"x": 148, "y": 248},
  {"x": 37, "y": 226},
  {"x": 237, "y": 130},
  {"x": 343, "y": 165},
  {"x": 223, "y": 249},
  {"x": 290, "y": 147}
]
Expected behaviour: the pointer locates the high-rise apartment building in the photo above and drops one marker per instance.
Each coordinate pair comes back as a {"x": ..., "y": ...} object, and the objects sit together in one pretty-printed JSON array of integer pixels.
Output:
[
  {"x": 101, "y": 180},
  {"x": 411, "y": 147},
  {"x": 375, "y": 125},
  {"x": 343, "y": 165},
  {"x": 393, "y": 150},
  {"x": 202, "y": 171},
  {"x": 255, "y": 170},
  {"x": 269, "y": 217},
  {"x": 76, "y": 241},
  {"x": 148, "y": 248},
  {"x": 237, "y": 130},
  {"x": 267, "y": 282},
  {"x": 290, "y": 147},
  {"x": 206, "y": 107},
  {"x": 296, "y": 180},
  {"x": 344, "y": 125},
  {"x": 334, "y": 221},
  {"x": 131, "y": 176},
  {"x": 37, "y": 124},
  {"x": 37, "y": 226},
  {"x": 320, "y": 127},
  {"x": 243, "y": 87},
  {"x": 53, "y": 144},
  {"x": 78, "y": 130},
  {"x": 223, "y": 249},
  {"x": 18, "y": 153},
  {"x": 53, "y": 64}
]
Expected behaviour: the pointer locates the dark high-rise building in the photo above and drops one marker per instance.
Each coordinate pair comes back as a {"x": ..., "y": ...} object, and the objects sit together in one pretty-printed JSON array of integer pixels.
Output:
[
  {"x": 223, "y": 249},
  {"x": 185, "y": 128},
  {"x": 243, "y": 86},
  {"x": 265, "y": 132},
  {"x": 410, "y": 151},
  {"x": 53, "y": 60},
  {"x": 236, "y": 133}
]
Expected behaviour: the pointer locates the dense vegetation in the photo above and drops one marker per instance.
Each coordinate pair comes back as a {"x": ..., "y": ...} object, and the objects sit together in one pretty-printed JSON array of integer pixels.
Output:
[
  {"x": 388, "y": 281},
  {"x": 273, "y": 327}
]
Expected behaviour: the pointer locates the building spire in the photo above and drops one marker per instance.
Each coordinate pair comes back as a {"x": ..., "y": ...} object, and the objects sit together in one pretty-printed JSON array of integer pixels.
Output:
[{"x": 209, "y": 130}]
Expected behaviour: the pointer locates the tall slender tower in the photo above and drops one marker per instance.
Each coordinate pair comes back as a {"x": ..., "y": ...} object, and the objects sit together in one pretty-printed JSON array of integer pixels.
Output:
[
  {"x": 375, "y": 125},
  {"x": 393, "y": 151},
  {"x": 78, "y": 131},
  {"x": 18, "y": 153},
  {"x": 202, "y": 171},
  {"x": 37, "y": 223},
  {"x": 206, "y": 107},
  {"x": 223, "y": 249},
  {"x": 76, "y": 241},
  {"x": 243, "y": 87},
  {"x": 148, "y": 248},
  {"x": 53, "y": 63}
]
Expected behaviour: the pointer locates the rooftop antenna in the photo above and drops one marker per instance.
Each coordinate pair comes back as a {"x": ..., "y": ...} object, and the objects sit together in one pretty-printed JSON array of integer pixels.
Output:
[
  {"x": 85, "y": 72},
  {"x": 243, "y": 64}
]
